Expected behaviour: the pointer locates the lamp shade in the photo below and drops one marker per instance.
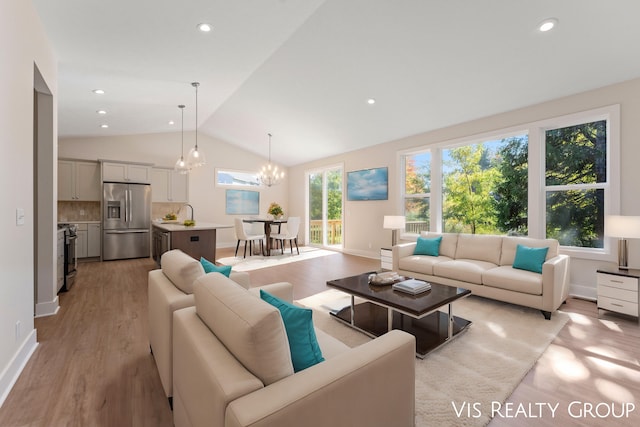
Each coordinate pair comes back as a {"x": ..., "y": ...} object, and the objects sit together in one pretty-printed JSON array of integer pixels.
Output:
[
  {"x": 622, "y": 226},
  {"x": 394, "y": 222}
]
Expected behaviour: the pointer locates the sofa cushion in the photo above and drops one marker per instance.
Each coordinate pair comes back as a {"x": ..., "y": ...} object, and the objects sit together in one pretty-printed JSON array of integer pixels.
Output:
[
  {"x": 421, "y": 263},
  {"x": 466, "y": 270},
  {"x": 305, "y": 351},
  {"x": 428, "y": 246},
  {"x": 509, "y": 245},
  {"x": 447, "y": 245},
  {"x": 181, "y": 269},
  {"x": 507, "y": 277},
  {"x": 210, "y": 267},
  {"x": 479, "y": 247},
  {"x": 251, "y": 329},
  {"x": 530, "y": 259}
]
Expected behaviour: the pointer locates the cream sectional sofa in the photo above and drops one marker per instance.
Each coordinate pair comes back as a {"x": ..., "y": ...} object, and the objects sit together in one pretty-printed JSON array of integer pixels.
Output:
[
  {"x": 171, "y": 288},
  {"x": 233, "y": 367},
  {"x": 483, "y": 264}
]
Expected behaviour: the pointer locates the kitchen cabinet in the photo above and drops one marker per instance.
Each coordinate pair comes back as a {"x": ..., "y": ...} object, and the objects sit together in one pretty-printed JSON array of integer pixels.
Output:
[
  {"x": 81, "y": 241},
  {"x": 126, "y": 172},
  {"x": 94, "y": 240},
  {"x": 79, "y": 181},
  {"x": 89, "y": 240},
  {"x": 169, "y": 186}
]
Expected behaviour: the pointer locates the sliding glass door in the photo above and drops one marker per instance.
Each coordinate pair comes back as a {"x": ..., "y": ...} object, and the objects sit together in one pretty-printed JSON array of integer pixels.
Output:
[{"x": 324, "y": 209}]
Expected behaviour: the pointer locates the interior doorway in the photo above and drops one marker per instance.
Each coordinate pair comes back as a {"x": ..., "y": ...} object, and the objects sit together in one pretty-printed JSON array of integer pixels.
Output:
[{"x": 44, "y": 203}]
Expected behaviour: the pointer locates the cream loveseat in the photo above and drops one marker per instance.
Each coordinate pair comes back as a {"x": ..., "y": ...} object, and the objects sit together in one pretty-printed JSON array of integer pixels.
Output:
[
  {"x": 484, "y": 265},
  {"x": 171, "y": 288},
  {"x": 233, "y": 367}
]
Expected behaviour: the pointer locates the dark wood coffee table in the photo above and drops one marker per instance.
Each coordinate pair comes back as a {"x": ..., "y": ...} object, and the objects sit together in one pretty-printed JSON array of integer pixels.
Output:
[{"x": 386, "y": 309}]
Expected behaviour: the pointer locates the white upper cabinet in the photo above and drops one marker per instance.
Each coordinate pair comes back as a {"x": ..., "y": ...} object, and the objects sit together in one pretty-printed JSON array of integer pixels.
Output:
[
  {"x": 169, "y": 186},
  {"x": 78, "y": 181},
  {"x": 126, "y": 172}
]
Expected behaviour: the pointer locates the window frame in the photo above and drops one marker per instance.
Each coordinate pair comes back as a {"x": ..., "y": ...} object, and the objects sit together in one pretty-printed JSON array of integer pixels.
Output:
[
  {"x": 245, "y": 186},
  {"x": 536, "y": 171}
]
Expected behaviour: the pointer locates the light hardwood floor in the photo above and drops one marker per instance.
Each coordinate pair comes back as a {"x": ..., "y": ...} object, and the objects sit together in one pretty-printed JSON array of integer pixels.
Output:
[{"x": 92, "y": 366}]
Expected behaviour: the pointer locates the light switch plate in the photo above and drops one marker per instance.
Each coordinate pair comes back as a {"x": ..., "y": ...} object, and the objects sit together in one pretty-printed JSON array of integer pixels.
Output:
[{"x": 19, "y": 216}]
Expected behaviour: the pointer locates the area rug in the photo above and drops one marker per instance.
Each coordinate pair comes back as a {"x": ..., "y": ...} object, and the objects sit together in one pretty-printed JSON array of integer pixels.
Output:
[
  {"x": 255, "y": 262},
  {"x": 457, "y": 384}
]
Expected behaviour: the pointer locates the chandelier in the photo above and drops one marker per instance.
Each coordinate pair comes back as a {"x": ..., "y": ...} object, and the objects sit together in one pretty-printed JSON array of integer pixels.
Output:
[
  {"x": 182, "y": 166},
  {"x": 270, "y": 175},
  {"x": 196, "y": 158}
]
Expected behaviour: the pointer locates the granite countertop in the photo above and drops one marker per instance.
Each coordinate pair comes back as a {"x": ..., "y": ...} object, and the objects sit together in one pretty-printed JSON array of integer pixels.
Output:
[{"x": 199, "y": 226}]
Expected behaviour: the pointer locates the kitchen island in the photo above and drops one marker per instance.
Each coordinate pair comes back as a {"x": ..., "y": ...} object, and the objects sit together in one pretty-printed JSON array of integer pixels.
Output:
[{"x": 198, "y": 240}]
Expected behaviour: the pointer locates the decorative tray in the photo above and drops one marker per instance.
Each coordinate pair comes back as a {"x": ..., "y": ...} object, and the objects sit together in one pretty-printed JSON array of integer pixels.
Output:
[{"x": 385, "y": 279}]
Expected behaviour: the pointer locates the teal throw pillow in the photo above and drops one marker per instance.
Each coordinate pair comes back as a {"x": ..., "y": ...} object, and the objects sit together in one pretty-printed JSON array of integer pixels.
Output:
[
  {"x": 303, "y": 344},
  {"x": 210, "y": 267},
  {"x": 530, "y": 259},
  {"x": 426, "y": 246}
]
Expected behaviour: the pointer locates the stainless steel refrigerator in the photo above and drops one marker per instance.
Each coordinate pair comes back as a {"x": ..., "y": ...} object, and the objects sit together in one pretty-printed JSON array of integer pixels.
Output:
[{"x": 126, "y": 221}]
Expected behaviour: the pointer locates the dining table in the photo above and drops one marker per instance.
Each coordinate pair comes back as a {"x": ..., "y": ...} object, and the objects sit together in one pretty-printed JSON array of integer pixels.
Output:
[{"x": 267, "y": 230}]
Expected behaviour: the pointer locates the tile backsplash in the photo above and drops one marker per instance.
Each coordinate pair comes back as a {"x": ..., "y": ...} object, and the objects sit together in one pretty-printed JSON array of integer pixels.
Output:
[
  {"x": 90, "y": 211},
  {"x": 79, "y": 211}
]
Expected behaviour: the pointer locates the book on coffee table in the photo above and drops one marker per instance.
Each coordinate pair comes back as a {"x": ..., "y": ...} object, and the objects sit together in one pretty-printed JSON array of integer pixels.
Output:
[{"x": 412, "y": 286}]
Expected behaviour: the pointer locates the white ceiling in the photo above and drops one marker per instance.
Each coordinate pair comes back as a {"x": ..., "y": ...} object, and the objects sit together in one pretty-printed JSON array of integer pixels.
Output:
[{"x": 304, "y": 69}]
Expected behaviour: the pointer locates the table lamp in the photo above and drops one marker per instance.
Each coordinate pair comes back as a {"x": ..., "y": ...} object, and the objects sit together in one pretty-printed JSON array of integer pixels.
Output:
[
  {"x": 622, "y": 227},
  {"x": 394, "y": 223}
]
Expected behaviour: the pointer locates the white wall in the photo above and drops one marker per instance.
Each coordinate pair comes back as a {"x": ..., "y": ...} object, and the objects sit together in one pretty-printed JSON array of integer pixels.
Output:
[
  {"x": 22, "y": 44},
  {"x": 163, "y": 149},
  {"x": 363, "y": 220}
]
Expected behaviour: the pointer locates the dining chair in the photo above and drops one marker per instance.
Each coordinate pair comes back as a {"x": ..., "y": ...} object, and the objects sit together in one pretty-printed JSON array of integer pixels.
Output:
[
  {"x": 290, "y": 233},
  {"x": 241, "y": 235}
]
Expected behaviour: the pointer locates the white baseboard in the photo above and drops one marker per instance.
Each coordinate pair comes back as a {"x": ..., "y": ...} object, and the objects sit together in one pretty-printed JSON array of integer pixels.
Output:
[
  {"x": 47, "y": 308},
  {"x": 583, "y": 292},
  {"x": 10, "y": 375}
]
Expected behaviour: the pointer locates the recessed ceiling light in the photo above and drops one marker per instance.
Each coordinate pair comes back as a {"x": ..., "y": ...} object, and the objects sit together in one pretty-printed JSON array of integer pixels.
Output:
[
  {"x": 98, "y": 91},
  {"x": 547, "y": 25},
  {"x": 101, "y": 112},
  {"x": 104, "y": 126},
  {"x": 204, "y": 27},
  {"x": 371, "y": 101},
  {"x": 171, "y": 122}
]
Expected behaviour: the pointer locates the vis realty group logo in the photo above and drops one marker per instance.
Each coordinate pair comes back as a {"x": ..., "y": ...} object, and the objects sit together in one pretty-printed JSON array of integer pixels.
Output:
[{"x": 575, "y": 409}]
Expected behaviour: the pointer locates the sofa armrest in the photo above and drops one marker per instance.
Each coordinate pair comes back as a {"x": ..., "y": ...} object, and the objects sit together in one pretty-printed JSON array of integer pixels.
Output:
[
  {"x": 282, "y": 290},
  {"x": 206, "y": 376},
  {"x": 163, "y": 299},
  {"x": 371, "y": 385},
  {"x": 241, "y": 278},
  {"x": 555, "y": 282},
  {"x": 400, "y": 251}
]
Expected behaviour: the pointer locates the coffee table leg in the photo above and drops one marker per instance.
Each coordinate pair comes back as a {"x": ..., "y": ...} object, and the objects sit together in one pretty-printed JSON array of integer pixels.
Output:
[
  {"x": 450, "y": 326},
  {"x": 389, "y": 319},
  {"x": 353, "y": 310}
]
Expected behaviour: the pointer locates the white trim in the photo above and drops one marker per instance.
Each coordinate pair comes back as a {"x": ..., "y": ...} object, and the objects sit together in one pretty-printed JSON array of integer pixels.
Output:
[
  {"x": 16, "y": 365},
  {"x": 49, "y": 308}
]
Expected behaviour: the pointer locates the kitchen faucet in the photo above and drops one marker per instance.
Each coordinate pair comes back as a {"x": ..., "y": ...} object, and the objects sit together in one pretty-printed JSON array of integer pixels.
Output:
[{"x": 187, "y": 204}]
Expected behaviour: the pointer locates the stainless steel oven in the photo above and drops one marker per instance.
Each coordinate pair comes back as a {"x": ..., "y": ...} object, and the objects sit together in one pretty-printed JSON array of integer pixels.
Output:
[{"x": 70, "y": 258}]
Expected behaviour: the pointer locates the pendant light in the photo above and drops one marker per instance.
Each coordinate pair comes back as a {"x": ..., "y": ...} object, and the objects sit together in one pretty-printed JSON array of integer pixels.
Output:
[
  {"x": 269, "y": 174},
  {"x": 196, "y": 158},
  {"x": 181, "y": 165}
]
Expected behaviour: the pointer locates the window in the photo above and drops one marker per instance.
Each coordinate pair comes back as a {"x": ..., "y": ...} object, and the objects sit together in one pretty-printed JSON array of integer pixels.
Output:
[
  {"x": 576, "y": 182},
  {"x": 417, "y": 191},
  {"x": 236, "y": 178},
  {"x": 485, "y": 187},
  {"x": 555, "y": 178}
]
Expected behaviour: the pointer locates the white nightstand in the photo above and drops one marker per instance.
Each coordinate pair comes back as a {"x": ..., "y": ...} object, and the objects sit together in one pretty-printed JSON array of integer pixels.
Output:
[
  {"x": 618, "y": 291},
  {"x": 386, "y": 259}
]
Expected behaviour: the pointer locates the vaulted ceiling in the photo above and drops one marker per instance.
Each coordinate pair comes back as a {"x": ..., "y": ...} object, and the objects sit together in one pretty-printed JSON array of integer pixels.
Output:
[{"x": 304, "y": 70}]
